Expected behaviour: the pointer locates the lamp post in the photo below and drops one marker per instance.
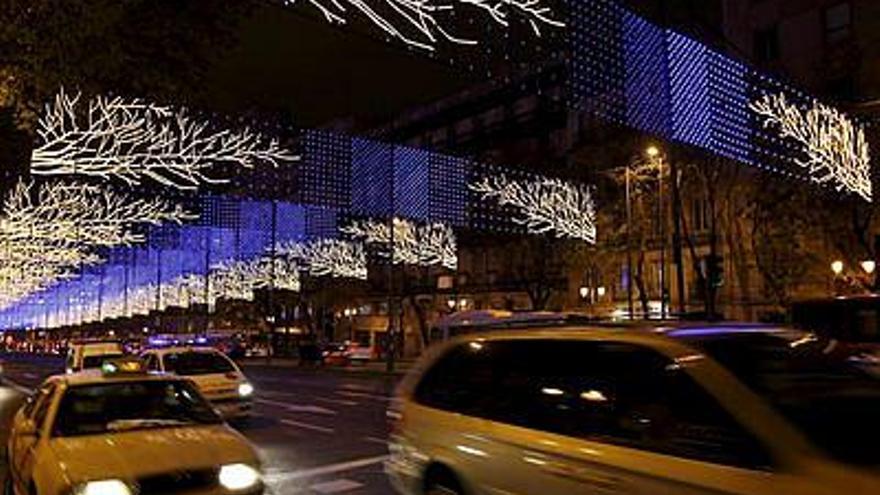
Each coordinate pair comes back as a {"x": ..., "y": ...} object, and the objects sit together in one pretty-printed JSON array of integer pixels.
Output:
[{"x": 656, "y": 156}]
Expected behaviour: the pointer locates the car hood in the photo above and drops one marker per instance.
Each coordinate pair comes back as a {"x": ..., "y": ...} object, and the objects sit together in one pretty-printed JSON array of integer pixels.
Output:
[{"x": 133, "y": 454}]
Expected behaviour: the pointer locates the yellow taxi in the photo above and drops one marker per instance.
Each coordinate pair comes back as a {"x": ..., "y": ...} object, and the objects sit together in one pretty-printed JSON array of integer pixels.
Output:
[
  {"x": 739, "y": 410},
  {"x": 121, "y": 431}
]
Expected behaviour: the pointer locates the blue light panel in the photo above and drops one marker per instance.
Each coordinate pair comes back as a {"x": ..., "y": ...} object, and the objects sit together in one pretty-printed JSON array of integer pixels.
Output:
[
  {"x": 647, "y": 87},
  {"x": 326, "y": 169},
  {"x": 372, "y": 177},
  {"x": 411, "y": 182}
]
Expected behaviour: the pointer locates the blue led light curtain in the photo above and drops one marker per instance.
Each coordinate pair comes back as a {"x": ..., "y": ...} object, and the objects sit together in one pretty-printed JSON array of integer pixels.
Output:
[{"x": 625, "y": 69}]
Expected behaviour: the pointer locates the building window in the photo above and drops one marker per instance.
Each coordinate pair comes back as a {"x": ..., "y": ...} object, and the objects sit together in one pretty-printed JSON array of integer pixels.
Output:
[
  {"x": 767, "y": 44},
  {"x": 838, "y": 22}
]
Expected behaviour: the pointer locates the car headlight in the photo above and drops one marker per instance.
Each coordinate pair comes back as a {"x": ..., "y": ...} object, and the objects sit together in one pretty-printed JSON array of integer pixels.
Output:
[
  {"x": 245, "y": 389},
  {"x": 238, "y": 477},
  {"x": 103, "y": 487}
]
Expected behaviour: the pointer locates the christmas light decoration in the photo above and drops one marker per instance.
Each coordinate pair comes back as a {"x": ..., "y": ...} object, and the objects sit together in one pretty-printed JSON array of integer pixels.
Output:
[
  {"x": 420, "y": 23},
  {"x": 131, "y": 140},
  {"x": 545, "y": 205},
  {"x": 72, "y": 214},
  {"x": 834, "y": 148},
  {"x": 327, "y": 258},
  {"x": 425, "y": 245}
]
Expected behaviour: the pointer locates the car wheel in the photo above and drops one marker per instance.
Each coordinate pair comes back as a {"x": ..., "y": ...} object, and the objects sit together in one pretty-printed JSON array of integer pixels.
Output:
[{"x": 442, "y": 482}]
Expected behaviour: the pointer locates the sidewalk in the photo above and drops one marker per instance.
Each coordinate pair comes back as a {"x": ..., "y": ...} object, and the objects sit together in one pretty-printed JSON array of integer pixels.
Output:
[{"x": 371, "y": 368}]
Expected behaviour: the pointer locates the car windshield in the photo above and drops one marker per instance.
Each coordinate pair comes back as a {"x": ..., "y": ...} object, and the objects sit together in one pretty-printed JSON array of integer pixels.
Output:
[
  {"x": 95, "y": 361},
  {"x": 819, "y": 389},
  {"x": 198, "y": 363},
  {"x": 131, "y": 405}
]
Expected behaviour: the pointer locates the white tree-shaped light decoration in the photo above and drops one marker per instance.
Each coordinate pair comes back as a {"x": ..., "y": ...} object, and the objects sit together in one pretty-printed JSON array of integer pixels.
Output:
[
  {"x": 545, "y": 205},
  {"x": 81, "y": 215},
  {"x": 422, "y": 23},
  {"x": 132, "y": 141},
  {"x": 835, "y": 149},
  {"x": 424, "y": 245},
  {"x": 44, "y": 238},
  {"x": 327, "y": 258}
]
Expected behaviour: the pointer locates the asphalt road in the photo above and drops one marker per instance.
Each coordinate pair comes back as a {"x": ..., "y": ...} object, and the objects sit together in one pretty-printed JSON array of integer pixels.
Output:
[{"x": 318, "y": 432}]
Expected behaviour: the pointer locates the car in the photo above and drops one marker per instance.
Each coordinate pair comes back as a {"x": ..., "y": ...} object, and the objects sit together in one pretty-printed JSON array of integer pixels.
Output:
[
  {"x": 216, "y": 375},
  {"x": 335, "y": 354},
  {"x": 680, "y": 409},
  {"x": 360, "y": 353},
  {"x": 84, "y": 355},
  {"x": 122, "y": 431}
]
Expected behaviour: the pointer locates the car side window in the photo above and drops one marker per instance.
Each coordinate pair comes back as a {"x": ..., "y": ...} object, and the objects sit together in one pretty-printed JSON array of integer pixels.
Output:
[
  {"x": 41, "y": 409},
  {"x": 151, "y": 362},
  {"x": 461, "y": 381},
  {"x": 616, "y": 393}
]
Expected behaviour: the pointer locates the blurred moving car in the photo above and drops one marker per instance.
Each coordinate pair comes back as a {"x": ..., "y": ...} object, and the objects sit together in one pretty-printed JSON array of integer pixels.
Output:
[
  {"x": 86, "y": 355},
  {"x": 218, "y": 378},
  {"x": 688, "y": 410},
  {"x": 121, "y": 431},
  {"x": 360, "y": 353},
  {"x": 335, "y": 354}
]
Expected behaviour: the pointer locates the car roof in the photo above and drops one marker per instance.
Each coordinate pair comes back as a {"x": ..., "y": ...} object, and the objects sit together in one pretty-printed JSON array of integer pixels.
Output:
[
  {"x": 645, "y": 331},
  {"x": 95, "y": 377},
  {"x": 181, "y": 349}
]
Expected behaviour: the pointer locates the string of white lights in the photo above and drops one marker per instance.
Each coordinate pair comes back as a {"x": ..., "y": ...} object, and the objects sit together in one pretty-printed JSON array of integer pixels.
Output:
[
  {"x": 131, "y": 140},
  {"x": 545, "y": 205},
  {"x": 327, "y": 258},
  {"x": 423, "y": 23},
  {"x": 74, "y": 214},
  {"x": 835, "y": 149},
  {"x": 424, "y": 245},
  {"x": 45, "y": 236}
]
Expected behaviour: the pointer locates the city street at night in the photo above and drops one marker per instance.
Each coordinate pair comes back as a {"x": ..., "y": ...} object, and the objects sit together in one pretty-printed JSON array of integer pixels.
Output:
[
  {"x": 317, "y": 432},
  {"x": 439, "y": 247}
]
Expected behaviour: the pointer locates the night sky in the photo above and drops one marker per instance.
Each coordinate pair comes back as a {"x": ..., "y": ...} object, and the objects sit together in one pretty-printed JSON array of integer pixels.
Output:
[{"x": 289, "y": 59}]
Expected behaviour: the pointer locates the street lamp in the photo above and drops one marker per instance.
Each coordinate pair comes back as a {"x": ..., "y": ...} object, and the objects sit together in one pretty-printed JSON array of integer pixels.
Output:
[
  {"x": 600, "y": 291},
  {"x": 584, "y": 292},
  {"x": 837, "y": 267},
  {"x": 655, "y": 155},
  {"x": 869, "y": 266}
]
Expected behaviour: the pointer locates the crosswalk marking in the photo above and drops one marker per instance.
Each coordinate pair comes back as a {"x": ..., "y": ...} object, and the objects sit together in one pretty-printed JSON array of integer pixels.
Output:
[
  {"x": 336, "y": 486},
  {"x": 297, "y": 408},
  {"x": 361, "y": 395},
  {"x": 307, "y": 426},
  {"x": 325, "y": 470}
]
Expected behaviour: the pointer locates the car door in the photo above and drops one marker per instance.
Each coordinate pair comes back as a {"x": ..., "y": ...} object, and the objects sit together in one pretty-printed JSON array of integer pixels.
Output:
[
  {"x": 592, "y": 417},
  {"x": 24, "y": 443}
]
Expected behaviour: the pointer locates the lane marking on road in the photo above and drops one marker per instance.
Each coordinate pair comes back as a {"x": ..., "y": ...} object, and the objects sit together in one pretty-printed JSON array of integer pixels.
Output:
[
  {"x": 361, "y": 395},
  {"x": 373, "y": 439},
  {"x": 324, "y": 470},
  {"x": 307, "y": 426},
  {"x": 297, "y": 408},
  {"x": 328, "y": 400},
  {"x": 339, "y": 402},
  {"x": 336, "y": 486},
  {"x": 21, "y": 388}
]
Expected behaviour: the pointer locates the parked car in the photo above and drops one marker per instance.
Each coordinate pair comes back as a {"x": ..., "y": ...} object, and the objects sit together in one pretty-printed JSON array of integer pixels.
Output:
[{"x": 688, "y": 410}]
